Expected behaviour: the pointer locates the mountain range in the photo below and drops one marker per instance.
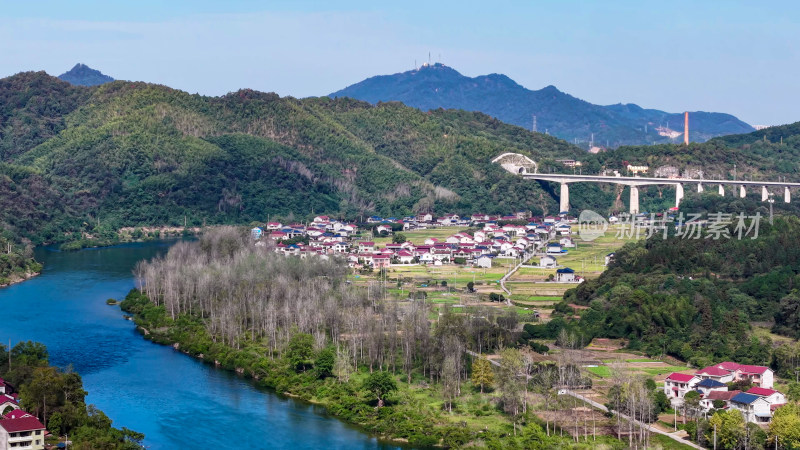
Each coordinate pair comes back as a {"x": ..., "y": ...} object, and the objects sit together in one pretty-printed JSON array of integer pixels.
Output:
[
  {"x": 83, "y": 75},
  {"x": 77, "y": 159},
  {"x": 560, "y": 114}
]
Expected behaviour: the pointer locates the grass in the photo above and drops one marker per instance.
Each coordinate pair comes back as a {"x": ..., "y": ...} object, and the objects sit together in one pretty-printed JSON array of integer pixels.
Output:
[
  {"x": 666, "y": 443},
  {"x": 654, "y": 371},
  {"x": 600, "y": 371},
  {"x": 587, "y": 259}
]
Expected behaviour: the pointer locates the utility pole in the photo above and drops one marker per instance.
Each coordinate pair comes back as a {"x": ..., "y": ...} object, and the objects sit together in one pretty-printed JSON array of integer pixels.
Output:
[{"x": 715, "y": 436}]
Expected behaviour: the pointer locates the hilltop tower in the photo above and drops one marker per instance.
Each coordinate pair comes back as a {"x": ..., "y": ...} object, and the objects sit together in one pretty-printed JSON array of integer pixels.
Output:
[{"x": 686, "y": 127}]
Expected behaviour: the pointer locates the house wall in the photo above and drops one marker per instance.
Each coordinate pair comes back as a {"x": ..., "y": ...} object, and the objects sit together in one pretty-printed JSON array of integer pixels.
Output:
[{"x": 767, "y": 379}]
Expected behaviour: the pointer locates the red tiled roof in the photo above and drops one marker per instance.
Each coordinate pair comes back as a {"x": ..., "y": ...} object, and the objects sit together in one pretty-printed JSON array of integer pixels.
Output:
[
  {"x": 7, "y": 398},
  {"x": 714, "y": 371},
  {"x": 21, "y": 424},
  {"x": 721, "y": 395},
  {"x": 753, "y": 369},
  {"x": 16, "y": 414},
  {"x": 729, "y": 366},
  {"x": 683, "y": 378},
  {"x": 761, "y": 392}
]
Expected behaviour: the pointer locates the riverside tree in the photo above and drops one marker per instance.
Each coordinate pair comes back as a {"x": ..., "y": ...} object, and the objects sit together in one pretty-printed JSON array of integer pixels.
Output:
[
  {"x": 380, "y": 384},
  {"x": 300, "y": 351}
]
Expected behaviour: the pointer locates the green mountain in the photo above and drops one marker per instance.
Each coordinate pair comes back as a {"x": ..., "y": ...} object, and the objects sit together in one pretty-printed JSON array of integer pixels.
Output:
[
  {"x": 92, "y": 159},
  {"x": 83, "y": 75},
  {"x": 438, "y": 86},
  {"x": 126, "y": 153}
]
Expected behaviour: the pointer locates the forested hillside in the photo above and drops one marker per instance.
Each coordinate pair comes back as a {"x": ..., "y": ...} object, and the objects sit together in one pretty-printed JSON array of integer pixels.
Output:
[
  {"x": 92, "y": 159},
  {"x": 78, "y": 158},
  {"x": 697, "y": 299}
]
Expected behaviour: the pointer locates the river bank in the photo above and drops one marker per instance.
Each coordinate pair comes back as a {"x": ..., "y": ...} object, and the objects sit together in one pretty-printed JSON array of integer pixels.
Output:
[
  {"x": 413, "y": 415},
  {"x": 147, "y": 387},
  {"x": 128, "y": 235},
  {"x": 16, "y": 278}
]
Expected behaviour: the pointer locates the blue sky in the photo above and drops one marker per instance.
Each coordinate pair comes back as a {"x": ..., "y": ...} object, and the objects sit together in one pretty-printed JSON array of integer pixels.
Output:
[{"x": 728, "y": 56}]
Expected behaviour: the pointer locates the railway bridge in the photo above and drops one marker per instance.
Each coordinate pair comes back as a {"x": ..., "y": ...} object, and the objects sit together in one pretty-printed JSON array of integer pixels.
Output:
[{"x": 526, "y": 168}]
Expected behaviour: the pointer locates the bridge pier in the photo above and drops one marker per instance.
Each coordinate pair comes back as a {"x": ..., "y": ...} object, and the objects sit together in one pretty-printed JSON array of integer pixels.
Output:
[
  {"x": 742, "y": 192},
  {"x": 564, "y": 201},
  {"x": 721, "y": 191},
  {"x": 787, "y": 196},
  {"x": 699, "y": 187},
  {"x": 678, "y": 194},
  {"x": 764, "y": 194},
  {"x": 634, "y": 204}
]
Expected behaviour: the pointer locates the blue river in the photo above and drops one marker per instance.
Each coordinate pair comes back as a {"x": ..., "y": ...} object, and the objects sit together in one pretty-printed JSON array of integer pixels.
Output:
[{"x": 177, "y": 401}]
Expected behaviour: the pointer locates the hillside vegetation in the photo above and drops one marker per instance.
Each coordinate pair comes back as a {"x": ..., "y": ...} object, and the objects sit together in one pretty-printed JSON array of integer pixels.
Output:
[
  {"x": 134, "y": 153},
  {"x": 78, "y": 161},
  {"x": 697, "y": 299}
]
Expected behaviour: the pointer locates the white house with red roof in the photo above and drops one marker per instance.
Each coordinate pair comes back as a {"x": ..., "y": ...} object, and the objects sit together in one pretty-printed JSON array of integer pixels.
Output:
[
  {"x": 715, "y": 373},
  {"x": 381, "y": 261},
  {"x": 707, "y": 402},
  {"x": 772, "y": 396},
  {"x": 405, "y": 257},
  {"x": 678, "y": 384},
  {"x": 760, "y": 376},
  {"x": 8, "y": 401},
  {"x": 19, "y": 429}
]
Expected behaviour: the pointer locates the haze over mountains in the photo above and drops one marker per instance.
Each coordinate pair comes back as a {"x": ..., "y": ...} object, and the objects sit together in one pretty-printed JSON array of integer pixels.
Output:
[{"x": 558, "y": 113}]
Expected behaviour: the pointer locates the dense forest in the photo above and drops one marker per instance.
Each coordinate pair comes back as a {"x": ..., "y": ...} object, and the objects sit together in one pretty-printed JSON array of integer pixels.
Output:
[
  {"x": 697, "y": 299},
  {"x": 57, "y": 397}
]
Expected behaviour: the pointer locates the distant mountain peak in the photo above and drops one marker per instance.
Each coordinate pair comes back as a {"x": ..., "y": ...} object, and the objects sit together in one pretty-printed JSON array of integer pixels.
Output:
[
  {"x": 549, "y": 109},
  {"x": 83, "y": 75}
]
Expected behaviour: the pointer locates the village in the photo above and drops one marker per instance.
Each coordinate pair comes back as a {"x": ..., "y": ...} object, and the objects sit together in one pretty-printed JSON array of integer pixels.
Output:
[
  {"x": 726, "y": 385},
  {"x": 18, "y": 429},
  {"x": 531, "y": 261},
  {"x": 518, "y": 237}
]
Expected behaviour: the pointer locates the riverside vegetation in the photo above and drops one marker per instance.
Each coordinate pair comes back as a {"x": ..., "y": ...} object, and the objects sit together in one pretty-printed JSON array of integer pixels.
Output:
[
  {"x": 58, "y": 398},
  {"x": 297, "y": 325}
]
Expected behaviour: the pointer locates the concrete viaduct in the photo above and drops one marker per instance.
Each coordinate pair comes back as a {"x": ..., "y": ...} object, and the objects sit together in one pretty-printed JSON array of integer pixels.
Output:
[{"x": 525, "y": 167}]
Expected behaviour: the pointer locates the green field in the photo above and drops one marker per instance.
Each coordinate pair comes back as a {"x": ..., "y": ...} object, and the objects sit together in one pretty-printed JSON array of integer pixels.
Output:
[
  {"x": 587, "y": 259},
  {"x": 600, "y": 371}
]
